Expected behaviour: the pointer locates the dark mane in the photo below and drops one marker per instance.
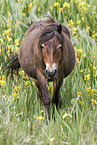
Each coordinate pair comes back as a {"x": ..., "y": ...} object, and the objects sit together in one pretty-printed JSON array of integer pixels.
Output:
[
  {"x": 49, "y": 22},
  {"x": 48, "y": 33}
]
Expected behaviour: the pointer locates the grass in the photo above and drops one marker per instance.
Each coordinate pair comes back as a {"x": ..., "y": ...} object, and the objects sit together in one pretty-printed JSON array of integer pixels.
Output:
[{"x": 19, "y": 103}]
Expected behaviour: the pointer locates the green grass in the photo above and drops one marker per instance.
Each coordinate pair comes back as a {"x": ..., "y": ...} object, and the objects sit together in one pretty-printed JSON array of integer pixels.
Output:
[{"x": 76, "y": 121}]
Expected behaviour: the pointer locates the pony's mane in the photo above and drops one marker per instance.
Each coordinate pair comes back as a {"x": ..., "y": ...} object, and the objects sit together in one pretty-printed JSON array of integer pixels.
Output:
[
  {"x": 49, "y": 22},
  {"x": 48, "y": 33}
]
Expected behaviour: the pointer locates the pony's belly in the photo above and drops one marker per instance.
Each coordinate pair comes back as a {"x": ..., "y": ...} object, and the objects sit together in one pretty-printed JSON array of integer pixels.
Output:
[{"x": 26, "y": 61}]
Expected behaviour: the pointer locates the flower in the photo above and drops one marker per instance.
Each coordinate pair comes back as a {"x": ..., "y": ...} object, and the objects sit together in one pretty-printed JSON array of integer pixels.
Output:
[
  {"x": 87, "y": 89},
  {"x": 15, "y": 94},
  {"x": 61, "y": 9},
  {"x": 38, "y": 10},
  {"x": 33, "y": 83},
  {"x": 22, "y": 72},
  {"x": 82, "y": 4},
  {"x": 87, "y": 77},
  {"x": 51, "y": 7},
  {"x": 16, "y": 42},
  {"x": 94, "y": 101},
  {"x": 78, "y": 22},
  {"x": 30, "y": 5},
  {"x": 1, "y": 40},
  {"x": 7, "y": 31},
  {"x": 66, "y": 5},
  {"x": 18, "y": 97},
  {"x": 16, "y": 49},
  {"x": 17, "y": 88},
  {"x": 27, "y": 83},
  {"x": 56, "y": 4},
  {"x": 2, "y": 82},
  {"x": 79, "y": 93},
  {"x": 40, "y": 118},
  {"x": 65, "y": 115},
  {"x": 82, "y": 18},
  {"x": 71, "y": 22},
  {"x": 82, "y": 104},
  {"x": 51, "y": 140}
]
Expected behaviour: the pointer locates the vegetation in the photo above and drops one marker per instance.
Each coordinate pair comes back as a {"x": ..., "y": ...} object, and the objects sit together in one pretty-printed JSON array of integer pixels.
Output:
[{"x": 22, "y": 117}]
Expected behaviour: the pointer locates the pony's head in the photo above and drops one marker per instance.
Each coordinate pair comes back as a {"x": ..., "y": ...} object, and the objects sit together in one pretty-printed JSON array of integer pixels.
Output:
[{"x": 51, "y": 44}]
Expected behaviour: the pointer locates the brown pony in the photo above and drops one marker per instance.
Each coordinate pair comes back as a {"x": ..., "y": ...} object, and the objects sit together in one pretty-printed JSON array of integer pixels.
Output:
[{"x": 46, "y": 54}]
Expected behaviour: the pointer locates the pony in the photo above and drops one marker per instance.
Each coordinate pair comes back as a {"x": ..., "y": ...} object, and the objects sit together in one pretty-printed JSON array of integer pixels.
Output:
[{"x": 47, "y": 55}]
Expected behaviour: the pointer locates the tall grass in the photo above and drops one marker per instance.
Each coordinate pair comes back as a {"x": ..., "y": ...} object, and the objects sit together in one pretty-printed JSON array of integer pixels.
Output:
[{"x": 22, "y": 117}]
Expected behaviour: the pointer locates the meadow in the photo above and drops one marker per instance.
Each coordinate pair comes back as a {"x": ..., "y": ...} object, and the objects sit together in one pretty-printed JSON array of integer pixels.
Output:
[{"x": 22, "y": 117}]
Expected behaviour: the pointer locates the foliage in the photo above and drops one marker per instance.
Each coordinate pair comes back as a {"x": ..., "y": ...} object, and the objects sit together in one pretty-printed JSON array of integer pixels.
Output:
[{"x": 22, "y": 117}]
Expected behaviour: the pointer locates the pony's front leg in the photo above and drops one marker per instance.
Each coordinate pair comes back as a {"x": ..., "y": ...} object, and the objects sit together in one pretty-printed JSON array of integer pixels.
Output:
[
  {"x": 44, "y": 89},
  {"x": 56, "y": 94}
]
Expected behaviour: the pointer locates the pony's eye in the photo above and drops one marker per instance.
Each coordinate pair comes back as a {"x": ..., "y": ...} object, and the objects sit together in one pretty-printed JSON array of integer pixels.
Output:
[
  {"x": 60, "y": 47},
  {"x": 42, "y": 47}
]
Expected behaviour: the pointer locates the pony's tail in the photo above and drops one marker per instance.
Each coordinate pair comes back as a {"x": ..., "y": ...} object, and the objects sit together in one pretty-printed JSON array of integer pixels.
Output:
[{"x": 12, "y": 65}]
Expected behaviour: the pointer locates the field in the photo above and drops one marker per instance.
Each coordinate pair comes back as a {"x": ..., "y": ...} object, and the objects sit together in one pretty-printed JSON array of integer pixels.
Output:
[{"x": 22, "y": 117}]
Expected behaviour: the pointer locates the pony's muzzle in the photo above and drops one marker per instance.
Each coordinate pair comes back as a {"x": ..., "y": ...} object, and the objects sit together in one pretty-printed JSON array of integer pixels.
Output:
[{"x": 51, "y": 72}]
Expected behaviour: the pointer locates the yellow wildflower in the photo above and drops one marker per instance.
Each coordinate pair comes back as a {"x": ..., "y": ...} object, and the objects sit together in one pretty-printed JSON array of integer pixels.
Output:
[
  {"x": 30, "y": 5},
  {"x": 13, "y": 99},
  {"x": 87, "y": 89},
  {"x": 25, "y": 77},
  {"x": 23, "y": 14},
  {"x": 27, "y": 83},
  {"x": 65, "y": 115},
  {"x": 16, "y": 42},
  {"x": 71, "y": 22},
  {"x": 61, "y": 9},
  {"x": 78, "y": 22},
  {"x": 8, "y": 13},
  {"x": 51, "y": 140},
  {"x": 16, "y": 49},
  {"x": 9, "y": 39},
  {"x": 40, "y": 118},
  {"x": 79, "y": 93},
  {"x": 82, "y": 104},
  {"x": 33, "y": 83},
  {"x": 80, "y": 50},
  {"x": 51, "y": 7},
  {"x": 42, "y": 111},
  {"x": 84, "y": 55},
  {"x": 92, "y": 91},
  {"x": 82, "y": 18},
  {"x": 82, "y": 4},
  {"x": 19, "y": 1},
  {"x": 2, "y": 82},
  {"x": 66, "y": 5},
  {"x": 94, "y": 101},
  {"x": 22, "y": 72},
  {"x": 17, "y": 88},
  {"x": 56, "y": 4},
  {"x": 74, "y": 29},
  {"x": 29, "y": 9},
  {"x": 7, "y": 31},
  {"x": 38, "y": 10},
  {"x": 87, "y": 77},
  {"x": 18, "y": 97},
  {"x": 1, "y": 40},
  {"x": 8, "y": 51},
  {"x": 15, "y": 94}
]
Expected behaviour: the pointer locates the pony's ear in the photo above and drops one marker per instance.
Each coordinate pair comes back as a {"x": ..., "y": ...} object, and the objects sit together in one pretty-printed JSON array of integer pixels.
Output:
[{"x": 59, "y": 28}]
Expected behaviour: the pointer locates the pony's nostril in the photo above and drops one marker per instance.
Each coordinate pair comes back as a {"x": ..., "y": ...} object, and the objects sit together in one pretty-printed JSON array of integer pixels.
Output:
[
  {"x": 51, "y": 74},
  {"x": 55, "y": 71},
  {"x": 46, "y": 71}
]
